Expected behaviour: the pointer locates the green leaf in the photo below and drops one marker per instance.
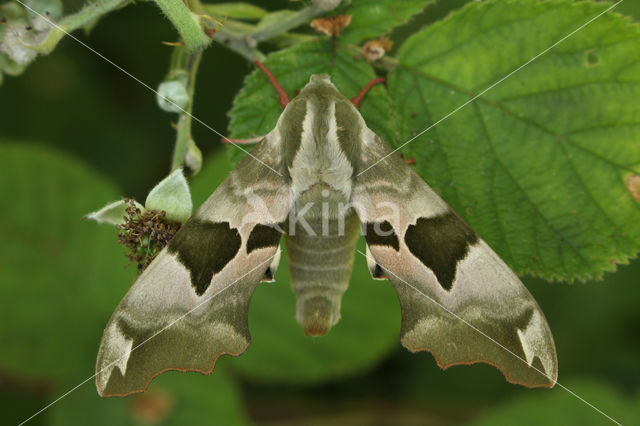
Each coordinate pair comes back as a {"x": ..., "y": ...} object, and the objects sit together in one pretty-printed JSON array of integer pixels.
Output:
[
  {"x": 113, "y": 213},
  {"x": 280, "y": 352},
  {"x": 561, "y": 407},
  {"x": 374, "y": 18},
  {"x": 538, "y": 164},
  {"x": 256, "y": 108},
  {"x": 629, "y": 8},
  {"x": 60, "y": 277}
]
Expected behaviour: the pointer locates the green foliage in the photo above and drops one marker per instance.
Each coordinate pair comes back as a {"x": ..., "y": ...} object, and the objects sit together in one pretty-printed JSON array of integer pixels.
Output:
[
  {"x": 629, "y": 8},
  {"x": 374, "y": 18},
  {"x": 538, "y": 164}
]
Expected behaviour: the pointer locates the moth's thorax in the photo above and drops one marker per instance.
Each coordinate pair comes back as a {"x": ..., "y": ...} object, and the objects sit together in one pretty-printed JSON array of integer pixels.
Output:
[
  {"x": 320, "y": 210},
  {"x": 320, "y": 131}
]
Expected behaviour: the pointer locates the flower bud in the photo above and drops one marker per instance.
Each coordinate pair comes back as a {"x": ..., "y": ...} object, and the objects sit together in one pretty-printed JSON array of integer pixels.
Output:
[
  {"x": 375, "y": 49},
  {"x": 16, "y": 36},
  {"x": 193, "y": 158},
  {"x": 40, "y": 11},
  {"x": 172, "y": 96},
  {"x": 172, "y": 196}
]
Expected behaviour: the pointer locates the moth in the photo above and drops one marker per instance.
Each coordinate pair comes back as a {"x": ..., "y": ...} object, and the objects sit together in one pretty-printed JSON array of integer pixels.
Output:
[{"x": 317, "y": 180}]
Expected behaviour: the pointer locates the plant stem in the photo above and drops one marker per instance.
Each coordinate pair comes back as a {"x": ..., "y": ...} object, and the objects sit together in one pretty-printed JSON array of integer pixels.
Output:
[
  {"x": 186, "y": 22},
  {"x": 233, "y": 38},
  {"x": 289, "y": 23},
  {"x": 244, "y": 39},
  {"x": 235, "y": 10},
  {"x": 386, "y": 63},
  {"x": 183, "y": 134},
  {"x": 239, "y": 43}
]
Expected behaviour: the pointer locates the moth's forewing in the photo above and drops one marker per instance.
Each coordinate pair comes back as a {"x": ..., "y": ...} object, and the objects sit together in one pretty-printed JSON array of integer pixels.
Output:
[
  {"x": 459, "y": 300},
  {"x": 191, "y": 304}
]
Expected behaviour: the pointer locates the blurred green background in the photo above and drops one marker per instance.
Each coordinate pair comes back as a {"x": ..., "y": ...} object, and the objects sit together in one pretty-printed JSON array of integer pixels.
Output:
[{"x": 75, "y": 132}]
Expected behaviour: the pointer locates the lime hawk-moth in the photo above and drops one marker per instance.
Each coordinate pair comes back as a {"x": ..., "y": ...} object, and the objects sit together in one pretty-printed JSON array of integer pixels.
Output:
[{"x": 317, "y": 180}]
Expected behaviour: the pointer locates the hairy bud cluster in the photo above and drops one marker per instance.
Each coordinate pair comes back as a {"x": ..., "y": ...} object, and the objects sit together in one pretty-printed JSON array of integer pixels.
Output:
[{"x": 144, "y": 233}]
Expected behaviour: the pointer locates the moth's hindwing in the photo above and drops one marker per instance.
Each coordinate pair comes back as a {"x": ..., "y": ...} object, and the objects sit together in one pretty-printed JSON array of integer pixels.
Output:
[
  {"x": 190, "y": 305},
  {"x": 459, "y": 300}
]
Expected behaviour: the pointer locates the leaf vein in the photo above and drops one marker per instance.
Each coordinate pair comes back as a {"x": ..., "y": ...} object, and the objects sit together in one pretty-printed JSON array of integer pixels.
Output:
[{"x": 535, "y": 207}]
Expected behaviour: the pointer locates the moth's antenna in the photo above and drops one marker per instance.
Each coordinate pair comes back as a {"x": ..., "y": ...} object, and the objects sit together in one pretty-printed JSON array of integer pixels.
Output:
[
  {"x": 282, "y": 95},
  {"x": 358, "y": 98}
]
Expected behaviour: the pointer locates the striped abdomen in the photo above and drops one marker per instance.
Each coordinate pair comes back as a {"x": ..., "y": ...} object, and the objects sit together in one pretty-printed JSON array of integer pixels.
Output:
[{"x": 320, "y": 263}]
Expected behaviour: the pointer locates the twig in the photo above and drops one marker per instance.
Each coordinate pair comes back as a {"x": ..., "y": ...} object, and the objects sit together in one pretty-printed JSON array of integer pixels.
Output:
[
  {"x": 183, "y": 135},
  {"x": 244, "y": 39},
  {"x": 240, "y": 43}
]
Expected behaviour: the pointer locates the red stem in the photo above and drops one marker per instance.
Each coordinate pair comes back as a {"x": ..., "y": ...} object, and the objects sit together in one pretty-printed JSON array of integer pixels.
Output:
[
  {"x": 282, "y": 95},
  {"x": 358, "y": 98}
]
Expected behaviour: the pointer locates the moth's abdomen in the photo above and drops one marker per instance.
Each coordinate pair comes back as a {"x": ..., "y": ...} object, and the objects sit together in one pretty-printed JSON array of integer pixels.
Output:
[{"x": 320, "y": 268}]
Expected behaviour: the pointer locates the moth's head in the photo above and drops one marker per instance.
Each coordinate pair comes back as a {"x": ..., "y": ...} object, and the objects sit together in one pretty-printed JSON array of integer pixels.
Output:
[
  {"x": 320, "y": 87},
  {"x": 320, "y": 79}
]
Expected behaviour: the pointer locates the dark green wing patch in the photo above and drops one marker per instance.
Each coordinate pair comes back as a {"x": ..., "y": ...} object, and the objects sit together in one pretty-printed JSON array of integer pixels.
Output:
[
  {"x": 440, "y": 242},
  {"x": 264, "y": 236},
  {"x": 381, "y": 234},
  {"x": 204, "y": 248},
  {"x": 349, "y": 128},
  {"x": 291, "y": 134}
]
